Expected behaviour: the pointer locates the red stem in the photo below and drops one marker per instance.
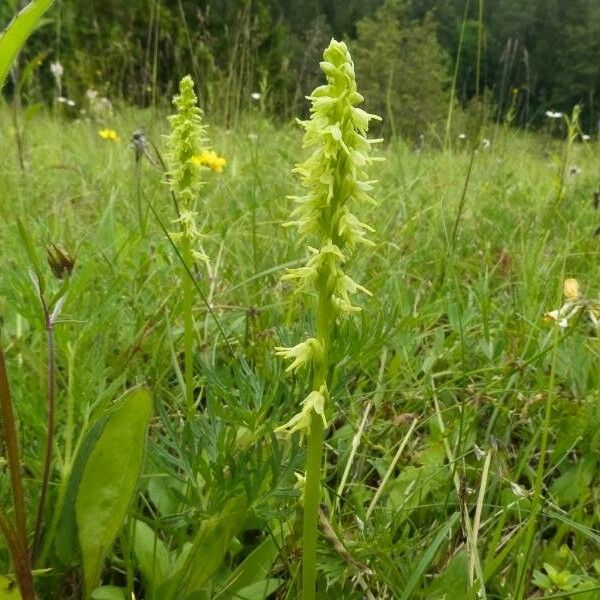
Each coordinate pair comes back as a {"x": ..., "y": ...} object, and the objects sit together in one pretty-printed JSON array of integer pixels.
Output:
[{"x": 16, "y": 538}]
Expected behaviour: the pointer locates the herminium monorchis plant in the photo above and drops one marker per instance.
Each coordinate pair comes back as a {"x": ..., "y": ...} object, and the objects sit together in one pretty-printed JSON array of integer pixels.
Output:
[
  {"x": 335, "y": 177},
  {"x": 186, "y": 154}
]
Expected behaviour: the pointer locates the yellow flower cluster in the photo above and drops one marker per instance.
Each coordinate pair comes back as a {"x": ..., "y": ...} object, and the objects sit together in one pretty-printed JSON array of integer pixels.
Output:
[
  {"x": 109, "y": 134},
  {"x": 209, "y": 159}
]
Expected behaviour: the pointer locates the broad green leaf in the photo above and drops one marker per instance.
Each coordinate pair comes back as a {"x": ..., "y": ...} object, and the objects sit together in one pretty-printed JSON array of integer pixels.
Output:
[
  {"x": 9, "y": 589},
  {"x": 109, "y": 480},
  {"x": 15, "y": 35},
  {"x": 208, "y": 550},
  {"x": 154, "y": 560},
  {"x": 253, "y": 570},
  {"x": 109, "y": 592},
  {"x": 66, "y": 533},
  {"x": 259, "y": 590}
]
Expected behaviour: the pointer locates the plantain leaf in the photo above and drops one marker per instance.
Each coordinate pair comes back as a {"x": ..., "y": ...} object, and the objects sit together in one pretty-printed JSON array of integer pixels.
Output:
[
  {"x": 153, "y": 558},
  {"x": 109, "y": 592},
  {"x": 109, "y": 480},
  {"x": 208, "y": 550},
  {"x": 252, "y": 571},
  {"x": 15, "y": 35},
  {"x": 65, "y": 540}
]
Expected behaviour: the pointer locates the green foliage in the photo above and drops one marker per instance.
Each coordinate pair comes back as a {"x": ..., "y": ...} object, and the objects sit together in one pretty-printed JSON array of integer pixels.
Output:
[
  {"x": 402, "y": 70},
  {"x": 8, "y": 589},
  {"x": 154, "y": 560},
  {"x": 207, "y": 550},
  {"x": 452, "y": 336},
  {"x": 15, "y": 35},
  {"x": 109, "y": 481}
]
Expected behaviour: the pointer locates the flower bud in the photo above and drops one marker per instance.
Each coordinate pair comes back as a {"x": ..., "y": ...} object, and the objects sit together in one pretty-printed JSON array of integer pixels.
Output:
[{"x": 60, "y": 261}]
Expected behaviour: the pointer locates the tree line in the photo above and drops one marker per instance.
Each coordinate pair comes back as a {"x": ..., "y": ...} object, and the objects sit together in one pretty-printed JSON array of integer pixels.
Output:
[{"x": 528, "y": 57}]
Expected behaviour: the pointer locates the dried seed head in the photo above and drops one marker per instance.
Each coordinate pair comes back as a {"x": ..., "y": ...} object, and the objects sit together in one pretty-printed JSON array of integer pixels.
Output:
[
  {"x": 60, "y": 260},
  {"x": 139, "y": 143}
]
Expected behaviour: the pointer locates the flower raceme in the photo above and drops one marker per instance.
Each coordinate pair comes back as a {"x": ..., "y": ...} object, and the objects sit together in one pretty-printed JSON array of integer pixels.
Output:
[
  {"x": 186, "y": 141},
  {"x": 335, "y": 178}
]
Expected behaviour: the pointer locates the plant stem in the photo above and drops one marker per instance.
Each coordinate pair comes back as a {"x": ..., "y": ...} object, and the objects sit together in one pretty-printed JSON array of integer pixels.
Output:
[
  {"x": 51, "y": 402},
  {"x": 463, "y": 197},
  {"x": 536, "y": 502},
  {"x": 455, "y": 78},
  {"x": 138, "y": 200},
  {"x": 325, "y": 319},
  {"x": 188, "y": 326},
  {"x": 16, "y": 538},
  {"x": 312, "y": 494}
]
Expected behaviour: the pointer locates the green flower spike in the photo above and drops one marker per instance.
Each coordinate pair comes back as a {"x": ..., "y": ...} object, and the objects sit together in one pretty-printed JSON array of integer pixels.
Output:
[
  {"x": 335, "y": 178},
  {"x": 186, "y": 140},
  {"x": 185, "y": 143}
]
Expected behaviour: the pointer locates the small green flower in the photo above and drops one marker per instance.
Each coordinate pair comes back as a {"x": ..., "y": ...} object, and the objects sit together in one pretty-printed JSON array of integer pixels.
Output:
[
  {"x": 302, "y": 353},
  {"x": 315, "y": 401}
]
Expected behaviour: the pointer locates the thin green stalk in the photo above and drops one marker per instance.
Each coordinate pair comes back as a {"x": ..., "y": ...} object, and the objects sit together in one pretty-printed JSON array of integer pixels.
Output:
[
  {"x": 312, "y": 492},
  {"x": 479, "y": 49},
  {"x": 188, "y": 326},
  {"x": 70, "y": 426},
  {"x": 536, "y": 502},
  {"x": 463, "y": 197},
  {"x": 192, "y": 279},
  {"x": 455, "y": 78},
  {"x": 51, "y": 402},
  {"x": 312, "y": 495},
  {"x": 390, "y": 470},
  {"x": 138, "y": 200}
]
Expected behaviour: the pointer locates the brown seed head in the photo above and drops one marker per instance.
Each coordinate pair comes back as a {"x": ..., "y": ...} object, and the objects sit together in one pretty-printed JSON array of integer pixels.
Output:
[{"x": 60, "y": 261}]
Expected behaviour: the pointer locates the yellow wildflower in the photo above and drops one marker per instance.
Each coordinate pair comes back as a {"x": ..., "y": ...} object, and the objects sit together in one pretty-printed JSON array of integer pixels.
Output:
[
  {"x": 109, "y": 134},
  {"x": 209, "y": 159}
]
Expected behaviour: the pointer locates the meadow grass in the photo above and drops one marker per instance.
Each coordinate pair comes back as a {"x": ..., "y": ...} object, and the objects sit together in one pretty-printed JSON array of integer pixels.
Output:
[{"x": 444, "y": 388}]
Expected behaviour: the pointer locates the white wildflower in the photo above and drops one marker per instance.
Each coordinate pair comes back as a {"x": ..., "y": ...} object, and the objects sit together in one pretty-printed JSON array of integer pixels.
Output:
[{"x": 57, "y": 71}]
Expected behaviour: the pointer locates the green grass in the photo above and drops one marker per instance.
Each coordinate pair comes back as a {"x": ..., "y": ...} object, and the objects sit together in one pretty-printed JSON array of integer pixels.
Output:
[{"x": 453, "y": 336}]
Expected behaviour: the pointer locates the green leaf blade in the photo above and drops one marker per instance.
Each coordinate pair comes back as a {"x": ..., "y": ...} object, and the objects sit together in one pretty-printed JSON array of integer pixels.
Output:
[
  {"x": 15, "y": 35},
  {"x": 109, "y": 481}
]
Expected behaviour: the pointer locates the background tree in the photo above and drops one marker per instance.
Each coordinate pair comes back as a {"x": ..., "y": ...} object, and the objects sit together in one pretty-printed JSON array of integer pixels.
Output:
[
  {"x": 390, "y": 55},
  {"x": 136, "y": 50}
]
